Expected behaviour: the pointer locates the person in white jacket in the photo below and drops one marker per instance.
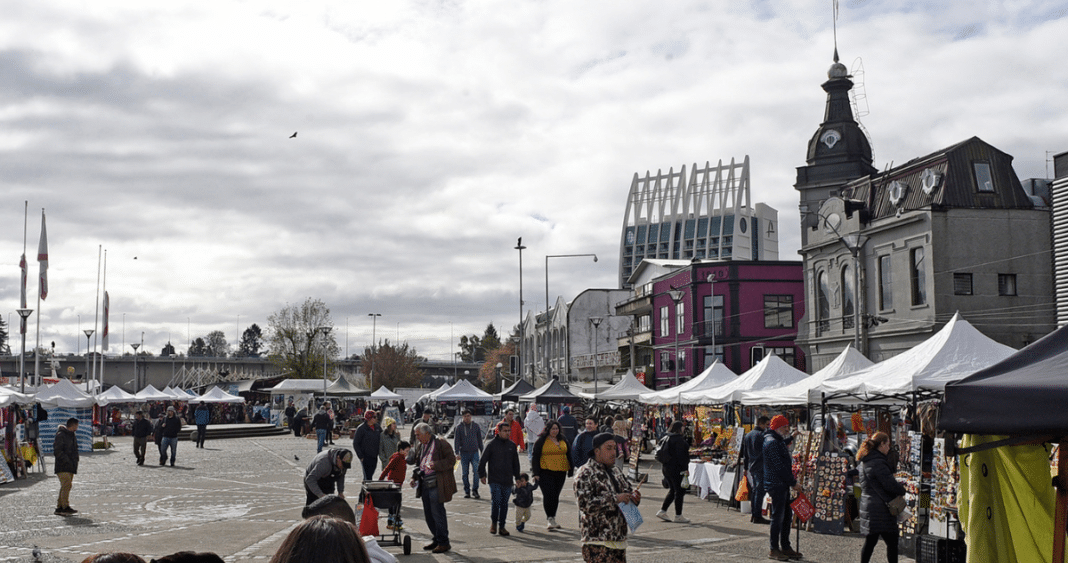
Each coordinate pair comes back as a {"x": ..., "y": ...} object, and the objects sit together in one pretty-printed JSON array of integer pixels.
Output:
[{"x": 533, "y": 425}]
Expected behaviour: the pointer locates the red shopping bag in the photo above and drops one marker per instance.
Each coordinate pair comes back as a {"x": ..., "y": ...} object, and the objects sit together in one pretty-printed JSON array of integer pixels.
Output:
[
  {"x": 369, "y": 519},
  {"x": 803, "y": 507}
]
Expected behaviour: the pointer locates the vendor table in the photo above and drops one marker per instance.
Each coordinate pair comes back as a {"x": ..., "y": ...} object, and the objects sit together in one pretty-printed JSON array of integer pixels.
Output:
[{"x": 711, "y": 478}]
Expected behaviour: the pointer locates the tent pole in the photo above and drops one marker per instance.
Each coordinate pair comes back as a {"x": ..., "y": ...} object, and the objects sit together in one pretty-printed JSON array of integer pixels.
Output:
[{"x": 1060, "y": 517}]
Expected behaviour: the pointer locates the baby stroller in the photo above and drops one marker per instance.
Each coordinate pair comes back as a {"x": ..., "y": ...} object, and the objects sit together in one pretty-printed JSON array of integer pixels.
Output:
[{"x": 386, "y": 496}]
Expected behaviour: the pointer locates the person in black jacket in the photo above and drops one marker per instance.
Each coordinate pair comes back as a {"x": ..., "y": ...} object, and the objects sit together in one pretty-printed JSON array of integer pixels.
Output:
[
  {"x": 366, "y": 443},
  {"x": 141, "y": 430},
  {"x": 65, "y": 448},
  {"x": 171, "y": 425},
  {"x": 500, "y": 467},
  {"x": 752, "y": 458},
  {"x": 678, "y": 462},
  {"x": 878, "y": 487},
  {"x": 778, "y": 480},
  {"x": 323, "y": 426}
]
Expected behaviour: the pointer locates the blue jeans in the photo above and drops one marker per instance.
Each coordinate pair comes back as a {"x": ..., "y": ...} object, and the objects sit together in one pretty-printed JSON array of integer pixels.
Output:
[
  {"x": 756, "y": 493},
  {"x": 321, "y": 434},
  {"x": 499, "y": 494},
  {"x": 171, "y": 443},
  {"x": 469, "y": 460},
  {"x": 781, "y": 517},
  {"x": 436, "y": 519}
]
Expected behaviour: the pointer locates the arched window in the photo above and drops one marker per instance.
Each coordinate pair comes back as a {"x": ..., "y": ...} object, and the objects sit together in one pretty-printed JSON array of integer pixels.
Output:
[
  {"x": 849, "y": 293},
  {"x": 823, "y": 304}
]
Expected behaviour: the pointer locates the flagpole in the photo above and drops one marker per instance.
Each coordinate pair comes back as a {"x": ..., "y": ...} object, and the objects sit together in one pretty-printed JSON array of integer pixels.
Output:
[
  {"x": 42, "y": 289},
  {"x": 22, "y": 323},
  {"x": 104, "y": 339},
  {"x": 96, "y": 316}
]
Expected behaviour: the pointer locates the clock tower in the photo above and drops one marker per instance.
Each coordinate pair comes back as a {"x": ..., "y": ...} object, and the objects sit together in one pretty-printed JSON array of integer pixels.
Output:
[{"x": 838, "y": 152}]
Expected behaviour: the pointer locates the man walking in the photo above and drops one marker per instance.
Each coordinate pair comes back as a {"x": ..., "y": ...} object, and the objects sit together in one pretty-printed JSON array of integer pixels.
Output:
[
  {"x": 467, "y": 442},
  {"x": 580, "y": 450},
  {"x": 752, "y": 458},
  {"x": 141, "y": 430},
  {"x": 202, "y": 416},
  {"x": 600, "y": 487},
  {"x": 778, "y": 480},
  {"x": 500, "y": 466},
  {"x": 533, "y": 425},
  {"x": 366, "y": 442},
  {"x": 568, "y": 425},
  {"x": 171, "y": 426},
  {"x": 65, "y": 448},
  {"x": 436, "y": 483},
  {"x": 322, "y": 424}
]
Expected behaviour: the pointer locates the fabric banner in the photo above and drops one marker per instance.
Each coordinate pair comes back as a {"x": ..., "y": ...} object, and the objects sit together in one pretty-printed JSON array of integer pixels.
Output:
[
  {"x": 58, "y": 416},
  {"x": 42, "y": 259}
]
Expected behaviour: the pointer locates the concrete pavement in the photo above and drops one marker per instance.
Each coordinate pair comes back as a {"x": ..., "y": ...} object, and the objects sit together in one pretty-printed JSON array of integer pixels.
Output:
[{"x": 240, "y": 497}]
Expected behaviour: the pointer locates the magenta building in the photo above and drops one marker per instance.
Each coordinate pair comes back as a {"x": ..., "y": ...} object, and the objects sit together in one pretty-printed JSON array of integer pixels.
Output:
[{"x": 738, "y": 311}]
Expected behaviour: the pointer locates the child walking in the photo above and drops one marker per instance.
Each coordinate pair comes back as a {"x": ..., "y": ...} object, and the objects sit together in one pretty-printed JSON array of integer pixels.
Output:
[
  {"x": 396, "y": 470},
  {"x": 524, "y": 497}
]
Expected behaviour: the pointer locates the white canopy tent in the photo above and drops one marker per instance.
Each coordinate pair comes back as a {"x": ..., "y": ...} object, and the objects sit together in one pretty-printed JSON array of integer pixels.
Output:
[
  {"x": 627, "y": 389},
  {"x": 430, "y": 396},
  {"x": 956, "y": 351},
  {"x": 714, "y": 376},
  {"x": 216, "y": 395},
  {"x": 176, "y": 394},
  {"x": 463, "y": 391},
  {"x": 849, "y": 361},
  {"x": 10, "y": 396},
  {"x": 383, "y": 394},
  {"x": 64, "y": 394},
  {"x": 116, "y": 395},
  {"x": 770, "y": 373},
  {"x": 150, "y": 393}
]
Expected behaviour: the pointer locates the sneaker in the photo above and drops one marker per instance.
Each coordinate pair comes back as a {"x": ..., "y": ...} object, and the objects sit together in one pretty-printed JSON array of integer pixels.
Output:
[
  {"x": 519, "y": 527},
  {"x": 467, "y": 495},
  {"x": 663, "y": 515},
  {"x": 791, "y": 553},
  {"x": 475, "y": 494},
  {"x": 552, "y": 525},
  {"x": 680, "y": 519},
  {"x": 777, "y": 555}
]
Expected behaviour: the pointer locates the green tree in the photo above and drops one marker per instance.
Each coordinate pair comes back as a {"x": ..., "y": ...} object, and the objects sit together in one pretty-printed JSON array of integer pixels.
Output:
[
  {"x": 198, "y": 348},
  {"x": 216, "y": 345},
  {"x": 392, "y": 365},
  {"x": 474, "y": 348},
  {"x": 296, "y": 343},
  {"x": 251, "y": 342}
]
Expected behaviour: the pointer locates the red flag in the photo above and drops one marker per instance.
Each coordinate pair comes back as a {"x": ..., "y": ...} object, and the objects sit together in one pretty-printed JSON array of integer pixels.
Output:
[
  {"x": 42, "y": 258},
  {"x": 107, "y": 307},
  {"x": 22, "y": 264}
]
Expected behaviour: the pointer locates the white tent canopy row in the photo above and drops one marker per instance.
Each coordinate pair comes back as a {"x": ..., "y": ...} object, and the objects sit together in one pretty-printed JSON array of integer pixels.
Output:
[
  {"x": 463, "y": 391},
  {"x": 849, "y": 361},
  {"x": 770, "y": 373},
  {"x": 216, "y": 395},
  {"x": 627, "y": 389},
  {"x": 383, "y": 394},
  {"x": 714, "y": 376}
]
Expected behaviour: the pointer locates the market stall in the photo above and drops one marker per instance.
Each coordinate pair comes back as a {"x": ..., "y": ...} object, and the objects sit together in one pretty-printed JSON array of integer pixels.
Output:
[
  {"x": 517, "y": 389},
  {"x": 63, "y": 401},
  {"x": 714, "y": 376}
]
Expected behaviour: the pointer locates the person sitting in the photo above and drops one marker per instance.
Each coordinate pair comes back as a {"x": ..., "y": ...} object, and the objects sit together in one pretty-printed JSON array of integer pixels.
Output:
[{"x": 322, "y": 538}]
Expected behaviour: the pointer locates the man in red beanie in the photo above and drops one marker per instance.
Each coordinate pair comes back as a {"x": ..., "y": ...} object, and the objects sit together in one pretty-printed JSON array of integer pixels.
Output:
[
  {"x": 366, "y": 442},
  {"x": 778, "y": 480}
]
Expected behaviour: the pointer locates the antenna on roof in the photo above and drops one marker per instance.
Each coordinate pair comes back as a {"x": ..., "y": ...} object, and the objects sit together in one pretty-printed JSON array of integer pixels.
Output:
[{"x": 834, "y": 27}]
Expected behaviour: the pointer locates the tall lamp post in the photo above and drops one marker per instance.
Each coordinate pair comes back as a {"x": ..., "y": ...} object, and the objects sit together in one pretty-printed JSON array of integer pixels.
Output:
[
  {"x": 855, "y": 243},
  {"x": 374, "y": 349},
  {"x": 677, "y": 296},
  {"x": 519, "y": 349},
  {"x": 325, "y": 330},
  {"x": 137, "y": 377},
  {"x": 88, "y": 333},
  {"x": 173, "y": 356},
  {"x": 548, "y": 332},
  {"x": 500, "y": 387},
  {"x": 596, "y": 322},
  {"x": 25, "y": 314}
]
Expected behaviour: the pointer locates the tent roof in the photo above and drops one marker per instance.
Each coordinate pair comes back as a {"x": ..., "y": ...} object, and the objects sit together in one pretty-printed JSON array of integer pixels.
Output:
[
  {"x": 1025, "y": 393},
  {"x": 298, "y": 385},
  {"x": 176, "y": 394},
  {"x": 444, "y": 387},
  {"x": 116, "y": 395},
  {"x": 770, "y": 373},
  {"x": 216, "y": 395},
  {"x": 385, "y": 394},
  {"x": 150, "y": 393},
  {"x": 627, "y": 389},
  {"x": 342, "y": 388},
  {"x": 464, "y": 391},
  {"x": 517, "y": 389},
  {"x": 952, "y": 353},
  {"x": 8, "y": 396},
  {"x": 64, "y": 394},
  {"x": 551, "y": 392},
  {"x": 715, "y": 375},
  {"x": 849, "y": 361}
]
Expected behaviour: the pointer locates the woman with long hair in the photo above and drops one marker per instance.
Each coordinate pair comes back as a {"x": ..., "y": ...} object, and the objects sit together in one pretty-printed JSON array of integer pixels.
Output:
[
  {"x": 322, "y": 538},
  {"x": 878, "y": 487},
  {"x": 550, "y": 467}
]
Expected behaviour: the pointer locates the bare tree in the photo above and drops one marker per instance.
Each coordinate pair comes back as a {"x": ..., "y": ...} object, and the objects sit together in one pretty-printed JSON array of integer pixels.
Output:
[{"x": 297, "y": 341}]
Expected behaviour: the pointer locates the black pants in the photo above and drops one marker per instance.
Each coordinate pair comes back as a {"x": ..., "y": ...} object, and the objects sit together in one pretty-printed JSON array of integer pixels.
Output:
[
  {"x": 675, "y": 492},
  {"x": 890, "y": 538},
  {"x": 202, "y": 432},
  {"x": 369, "y": 463},
  {"x": 781, "y": 517},
  {"x": 551, "y": 483},
  {"x": 326, "y": 485}
]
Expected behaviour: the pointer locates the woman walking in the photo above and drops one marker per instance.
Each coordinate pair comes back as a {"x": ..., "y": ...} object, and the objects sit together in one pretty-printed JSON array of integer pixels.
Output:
[
  {"x": 878, "y": 487},
  {"x": 678, "y": 462},
  {"x": 387, "y": 444},
  {"x": 550, "y": 466}
]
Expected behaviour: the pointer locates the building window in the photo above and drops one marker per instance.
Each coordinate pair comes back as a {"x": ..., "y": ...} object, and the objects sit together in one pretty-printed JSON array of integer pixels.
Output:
[
  {"x": 682, "y": 361},
  {"x": 886, "y": 288},
  {"x": 665, "y": 322},
  {"x": 918, "y": 277},
  {"x": 848, "y": 296},
  {"x": 680, "y": 318},
  {"x": 823, "y": 304},
  {"x": 1006, "y": 284},
  {"x": 712, "y": 354},
  {"x": 665, "y": 362},
  {"x": 784, "y": 354},
  {"x": 962, "y": 284},
  {"x": 984, "y": 180},
  {"x": 713, "y": 316},
  {"x": 778, "y": 311}
]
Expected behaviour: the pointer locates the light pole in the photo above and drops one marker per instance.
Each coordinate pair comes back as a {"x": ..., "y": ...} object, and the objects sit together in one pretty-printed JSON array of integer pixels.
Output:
[
  {"x": 548, "y": 332},
  {"x": 677, "y": 296},
  {"x": 519, "y": 350},
  {"x": 136, "y": 377},
  {"x": 88, "y": 332},
  {"x": 25, "y": 314},
  {"x": 500, "y": 387},
  {"x": 173, "y": 356},
  {"x": 325, "y": 330},
  {"x": 854, "y": 242},
  {"x": 374, "y": 349},
  {"x": 596, "y": 322}
]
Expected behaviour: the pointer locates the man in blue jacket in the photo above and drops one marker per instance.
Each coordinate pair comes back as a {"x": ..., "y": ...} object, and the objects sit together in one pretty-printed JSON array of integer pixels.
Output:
[
  {"x": 752, "y": 459},
  {"x": 778, "y": 480},
  {"x": 580, "y": 450}
]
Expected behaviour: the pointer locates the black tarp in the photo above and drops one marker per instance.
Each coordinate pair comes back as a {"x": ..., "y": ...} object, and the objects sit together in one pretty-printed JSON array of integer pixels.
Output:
[
  {"x": 1026, "y": 393},
  {"x": 518, "y": 388},
  {"x": 551, "y": 392}
]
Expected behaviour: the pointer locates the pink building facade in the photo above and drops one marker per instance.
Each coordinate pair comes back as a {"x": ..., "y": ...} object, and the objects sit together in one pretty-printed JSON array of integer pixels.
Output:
[{"x": 736, "y": 311}]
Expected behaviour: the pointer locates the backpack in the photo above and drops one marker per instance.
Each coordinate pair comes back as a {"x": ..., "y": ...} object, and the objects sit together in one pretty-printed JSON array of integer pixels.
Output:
[{"x": 662, "y": 454}]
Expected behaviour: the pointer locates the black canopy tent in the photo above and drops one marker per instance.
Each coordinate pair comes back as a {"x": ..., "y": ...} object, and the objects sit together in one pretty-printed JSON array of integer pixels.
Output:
[
  {"x": 520, "y": 387},
  {"x": 1024, "y": 397},
  {"x": 551, "y": 392}
]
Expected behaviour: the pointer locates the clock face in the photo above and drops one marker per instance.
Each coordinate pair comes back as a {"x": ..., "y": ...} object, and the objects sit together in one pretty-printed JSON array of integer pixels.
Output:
[{"x": 831, "y": 138}]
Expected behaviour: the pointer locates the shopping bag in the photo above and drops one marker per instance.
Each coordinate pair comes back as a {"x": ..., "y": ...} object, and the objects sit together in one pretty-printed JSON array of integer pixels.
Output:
[
  {"x": 802, "y": 507},
  {"x": 631, "y": 514},
  {"x": 743, "y": 490},
  {"x": 369, "y": 518}
]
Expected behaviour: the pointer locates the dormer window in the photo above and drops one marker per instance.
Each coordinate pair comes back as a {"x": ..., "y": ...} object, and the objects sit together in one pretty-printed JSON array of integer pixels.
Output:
[
  {"x": 984, "y": 180},
  {"x": 897, "y": 193}
]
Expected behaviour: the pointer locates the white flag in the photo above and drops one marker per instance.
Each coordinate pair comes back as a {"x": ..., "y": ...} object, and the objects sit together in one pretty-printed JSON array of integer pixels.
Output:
[
  {"x": 42, "y": 258},
  {"x": 107, "y": 306}
]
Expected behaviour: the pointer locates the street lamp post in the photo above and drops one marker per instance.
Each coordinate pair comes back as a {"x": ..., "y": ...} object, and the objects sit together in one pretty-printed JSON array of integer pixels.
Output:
[
  {"x": 855, "y": 243},
  {"x": 374, "y": 349},
  {"x": 25, "y": 314},
  {"x": 88, "y": 332},
  {"x": 325, "y": 330},
  {"x": 173, "y": 356},
  {"x": 137, "y": 377},
  {"x": 677, "y": 296},
  {"x": 596, "y": 322},
  {"x": 519, "y": 350},
  {"x": 548, "y": 332},
  {"x": 499, "y": 386}
]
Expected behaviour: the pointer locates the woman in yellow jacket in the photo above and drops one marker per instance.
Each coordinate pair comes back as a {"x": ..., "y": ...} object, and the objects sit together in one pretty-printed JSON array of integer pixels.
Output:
[{"x": 550, "y": 466}]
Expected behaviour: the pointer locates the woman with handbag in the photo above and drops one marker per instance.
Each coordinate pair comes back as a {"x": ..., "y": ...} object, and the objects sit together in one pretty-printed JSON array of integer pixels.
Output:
[{"x": 878, "y": 490}]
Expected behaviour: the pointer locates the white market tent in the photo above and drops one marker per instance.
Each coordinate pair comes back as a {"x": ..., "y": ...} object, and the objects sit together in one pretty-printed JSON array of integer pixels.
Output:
[
  {"x": 216, "y": 395},
  {"x": 628, "y": 389},
  {"x": 176, "y": 394},
  {"x": 849, "y": 361},
  {"x": 715, "y": 375},
  {"x": 770, "y": 373},
  {"x": 150, "y": 393},
  {"x": 463, "y": 391},
  {"x": 956, "y": 351},
  {"x": 383, "y": 394},
  {"x": 430, "y": 396},
  {"x": 64, "y": 394},
  {"x": 189, "y": 394},
  {"x": 116, "y": 395},
  {"x": 9, "y": 396}
]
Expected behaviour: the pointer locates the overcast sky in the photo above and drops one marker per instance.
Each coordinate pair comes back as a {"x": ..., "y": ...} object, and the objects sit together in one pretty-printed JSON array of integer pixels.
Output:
[{"x": 433, "y": 134}]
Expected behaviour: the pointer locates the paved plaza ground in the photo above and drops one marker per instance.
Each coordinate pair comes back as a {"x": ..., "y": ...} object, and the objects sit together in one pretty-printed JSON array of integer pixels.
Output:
[{"x": 240, "y": 497}]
